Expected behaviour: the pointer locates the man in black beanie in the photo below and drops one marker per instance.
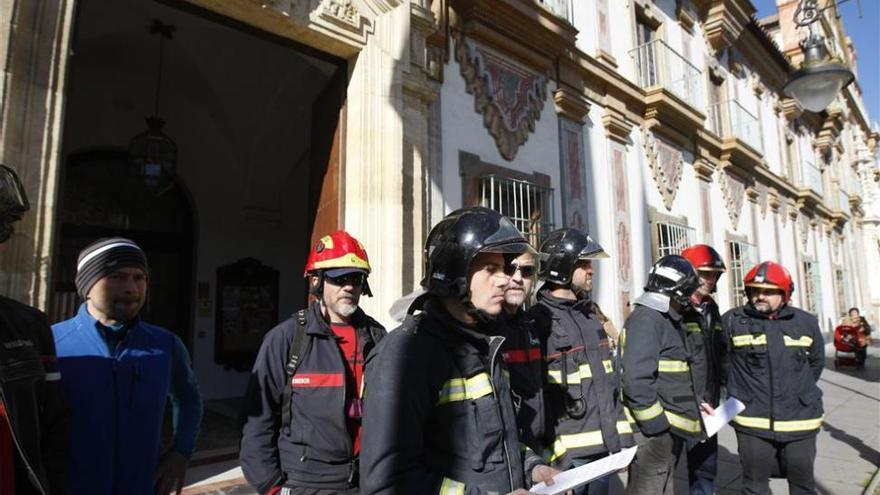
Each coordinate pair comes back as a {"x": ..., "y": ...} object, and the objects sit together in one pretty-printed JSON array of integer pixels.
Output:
[
  {"x": 120, "y": 371},
  {"x": 33, "y": 419}
]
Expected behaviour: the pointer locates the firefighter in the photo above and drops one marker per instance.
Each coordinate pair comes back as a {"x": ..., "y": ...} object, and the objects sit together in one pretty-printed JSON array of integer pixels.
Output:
[
  {"x": 702, "y": 322},
  {"x": 303, "y": 408},
  {"x": 439, "y": 413},
  {"x": 775, "y": 355},
  {"x": 33, "y": 415},
  {"x": 521, "y": 351},
  {"x": 582, "y": 386},
  {"x": 658, "y": 386}
]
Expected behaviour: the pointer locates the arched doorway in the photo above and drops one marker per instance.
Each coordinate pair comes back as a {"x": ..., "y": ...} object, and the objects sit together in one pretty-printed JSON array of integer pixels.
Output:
[{"x": 104, "y": 195}]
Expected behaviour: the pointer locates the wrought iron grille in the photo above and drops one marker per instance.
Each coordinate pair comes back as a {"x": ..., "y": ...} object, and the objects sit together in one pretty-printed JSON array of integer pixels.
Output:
[{"x": 528, "y": 205}]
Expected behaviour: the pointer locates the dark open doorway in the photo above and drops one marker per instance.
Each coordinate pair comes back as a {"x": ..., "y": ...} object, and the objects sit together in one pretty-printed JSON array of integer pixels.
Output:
[{"x": 256, "y": 120}]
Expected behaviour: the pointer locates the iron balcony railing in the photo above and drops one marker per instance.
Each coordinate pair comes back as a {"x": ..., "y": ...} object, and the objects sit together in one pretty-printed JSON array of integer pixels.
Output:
[
  {"x": 528, "y": 205},
  {"x": 811, "y": 177},
  {"x": 562, "y": 8},
  {"x": 730, "y": 118},
  {"x": 657, "y": 64}
]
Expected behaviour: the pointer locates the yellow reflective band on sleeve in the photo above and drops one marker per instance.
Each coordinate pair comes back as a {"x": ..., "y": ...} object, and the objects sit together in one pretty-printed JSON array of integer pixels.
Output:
[
  {"x": 629, "y": 416},
  {"x": 752, "y": 422},
  {"x": 749, "y": 339},
  {"x": 693, "y": 327},
  {"x": 649, "y": 413},
  {"x": 459, "y": 389},
  {"x": 583, "y": 372},
  {"x": 623, "y": 427},
  {"x": 622, "y": 339},
  {"x": 683, "y": 423},
  {"x": 672, "y": 366},
  {"x": 804, "y": 341},
  {"x": 609, "y": 368},
  {"x": 799, "y": 425},
  {"x": 718, "y": 327},
  {"x": 451, "y": 487}
]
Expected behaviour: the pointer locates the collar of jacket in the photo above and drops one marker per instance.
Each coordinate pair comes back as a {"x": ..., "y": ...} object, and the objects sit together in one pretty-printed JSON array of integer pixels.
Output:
[
  {"x": 85, "y": 319},
  {"x": 449, "y": 328},
  {"x": 784, "y": 313},
  {"x": 317, "y": 325},
  {"x": 549, "y": 299}
]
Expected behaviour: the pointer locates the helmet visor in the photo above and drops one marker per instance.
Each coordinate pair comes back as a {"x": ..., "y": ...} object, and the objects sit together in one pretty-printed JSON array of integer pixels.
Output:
[{"x": 517, "y": 247}]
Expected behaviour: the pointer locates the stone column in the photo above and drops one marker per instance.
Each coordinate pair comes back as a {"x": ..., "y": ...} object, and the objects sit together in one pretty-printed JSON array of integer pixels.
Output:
[{"x": 34, "y": 41}]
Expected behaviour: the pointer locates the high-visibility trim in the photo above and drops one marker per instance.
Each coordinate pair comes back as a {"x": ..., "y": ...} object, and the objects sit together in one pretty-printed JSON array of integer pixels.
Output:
[
  {"x": 609, "y": 368},
  {"x": 798, "y": 425},
  {"x": 623, "y": 427},
  {"x": 693, "y": 327},
  {"x": 459, "y": 389},
  {"x": 53, "y": 377},
  {"x": 752, "y": 422},
  {"x": 317, "y": 380},
  {"x": 683, "y": 423},
  {"x": 629, "y": 416},
  {"x": 516, "y": 356},
  {"x": 804, "y": 341},
  {"x": 749, "y": 339},
  {"x": 451, "y": 487},
  {"x": 718, "y": 327},
  {"x": 583, "y": 372},
  {"x": 648, "y": 413},
  {"x": 349, "y": 260},
  {"x": 672, "y": 366},
  {"x": 564, "y": 443}
]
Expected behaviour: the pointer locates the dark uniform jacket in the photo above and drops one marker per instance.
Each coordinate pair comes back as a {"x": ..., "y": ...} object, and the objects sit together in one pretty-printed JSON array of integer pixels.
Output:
[
  {"x": 582, "y": 384},
  {"x": 522, "y": 353},
  {"x": 438, "y": 415},
  {"x": 658, "y": 386},
  {"x": 31, "y": 394},
  {"x": 706, "y": 343},
  {"x": 315, "y": 449},
  {"x": 774, "y": 364}
]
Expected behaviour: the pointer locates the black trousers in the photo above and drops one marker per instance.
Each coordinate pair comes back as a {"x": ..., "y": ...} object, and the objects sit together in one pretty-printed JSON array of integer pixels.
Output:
[
  {"x": 651, "y": 473},
  {"x": 795, "y": 459}
]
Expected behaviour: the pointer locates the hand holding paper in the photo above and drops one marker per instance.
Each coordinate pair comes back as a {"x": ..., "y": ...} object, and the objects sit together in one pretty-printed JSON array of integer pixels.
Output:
[
  {"x": 722, "y": 415},
  {"x": 573, "y": 478}
]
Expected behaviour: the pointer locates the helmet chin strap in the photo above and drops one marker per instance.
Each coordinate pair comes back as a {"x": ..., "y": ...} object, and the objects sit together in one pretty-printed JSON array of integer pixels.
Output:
[
  {"x": 583, "y": 294},
  {"x": 478, "y": 314}
]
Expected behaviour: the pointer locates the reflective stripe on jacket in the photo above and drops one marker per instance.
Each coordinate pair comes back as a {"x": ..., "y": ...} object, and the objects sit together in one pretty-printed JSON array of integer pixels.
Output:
[
  {"x": 316, "y": 448},
  {"x": 438, "y": 414},
  {"x": 582, "y": 387},
  {"x": 657, "y": 378},
  {"x": 774, "y": 365}
]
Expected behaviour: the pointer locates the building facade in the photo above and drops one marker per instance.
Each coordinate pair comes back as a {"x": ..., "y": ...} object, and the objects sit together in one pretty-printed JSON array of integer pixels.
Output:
[{"x": 650, "y": 124}]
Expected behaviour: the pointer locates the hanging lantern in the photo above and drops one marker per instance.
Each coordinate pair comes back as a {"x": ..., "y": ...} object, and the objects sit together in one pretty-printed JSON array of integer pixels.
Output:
[{"x": 153, "y": 153}]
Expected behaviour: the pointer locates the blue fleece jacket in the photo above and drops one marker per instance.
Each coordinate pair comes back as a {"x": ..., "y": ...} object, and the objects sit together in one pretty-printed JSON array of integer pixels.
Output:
[{"x": 117, "y": 400}]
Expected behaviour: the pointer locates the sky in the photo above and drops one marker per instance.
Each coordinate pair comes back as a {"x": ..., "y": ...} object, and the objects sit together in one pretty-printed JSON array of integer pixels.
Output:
[{"x": 865, "y": 33}]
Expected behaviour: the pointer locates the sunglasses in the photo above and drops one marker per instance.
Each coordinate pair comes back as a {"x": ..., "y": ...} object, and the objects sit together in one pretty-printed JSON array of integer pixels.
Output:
[
  {"x": 354, "y": 279},
  {"x": 526, "y": 270}
]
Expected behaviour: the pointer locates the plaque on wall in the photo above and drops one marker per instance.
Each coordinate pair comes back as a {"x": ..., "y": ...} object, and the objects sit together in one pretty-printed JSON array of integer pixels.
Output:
[{"x": 246, "y": 308}]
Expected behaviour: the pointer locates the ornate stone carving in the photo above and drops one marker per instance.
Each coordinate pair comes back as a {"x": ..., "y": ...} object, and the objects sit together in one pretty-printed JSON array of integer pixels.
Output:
[
  {"x": 734, "y": 192},
  {"x": 508, "y": 96},
  {"x": 667, "y": 164},
  {"x": 763, "y": 198},
  {"x": 343, "y": 10}
]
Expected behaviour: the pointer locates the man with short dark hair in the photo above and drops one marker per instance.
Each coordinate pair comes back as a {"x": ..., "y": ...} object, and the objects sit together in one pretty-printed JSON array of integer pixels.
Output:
[
  {"x": 33, "y": 416},
  {"x": 119, "y": 373},
  {"x": 303, "y": 409}
]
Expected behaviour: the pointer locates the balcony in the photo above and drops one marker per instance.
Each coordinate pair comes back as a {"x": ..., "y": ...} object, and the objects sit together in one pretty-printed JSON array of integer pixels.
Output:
[
  {"x": 811, "y": 177},
  {"x": 730, "y": 119},
  {"x": 658, "y": 65},
  {"x": 561, "y": 8}
]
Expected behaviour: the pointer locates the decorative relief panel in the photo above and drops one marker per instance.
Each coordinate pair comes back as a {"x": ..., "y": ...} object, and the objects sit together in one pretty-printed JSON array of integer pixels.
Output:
[
  {"x": 734, "y": 192},
  {"x": 763, "y": 198},
  {"x": 574, "y": 187},
  {"x": 622, "y": 229},
  {"x": 509, "y": 96},
  {"x": 667, "y": 164}
]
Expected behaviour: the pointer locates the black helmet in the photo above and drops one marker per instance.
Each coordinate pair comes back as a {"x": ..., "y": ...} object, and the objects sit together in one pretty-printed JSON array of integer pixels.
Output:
[
  {"x": 13, "y": 201},
  {"x": 562, "y": 249},
  {"x": 671, "y": 277},
  {"x": 454, "y": 242}
]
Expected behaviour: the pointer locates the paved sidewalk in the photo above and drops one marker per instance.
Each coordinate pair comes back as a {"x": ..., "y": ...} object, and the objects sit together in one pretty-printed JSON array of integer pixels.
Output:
[{"x": 848, "y": 450}]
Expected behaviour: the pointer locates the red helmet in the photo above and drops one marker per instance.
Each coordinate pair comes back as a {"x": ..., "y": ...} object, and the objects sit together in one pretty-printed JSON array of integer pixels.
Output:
[
  {"x": 337, "y": 250},
  {"x": 704, "y": 258},
  {"x": 770, "y": 275}
]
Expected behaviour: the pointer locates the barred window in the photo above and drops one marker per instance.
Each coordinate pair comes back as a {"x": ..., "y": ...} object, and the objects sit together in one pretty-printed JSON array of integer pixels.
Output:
[
  {"x": 741, "y": 256},
  {"x": 812, "y": 287},
  {"x": 528, "y": 205},
  {"x": 670, "y": 238}
]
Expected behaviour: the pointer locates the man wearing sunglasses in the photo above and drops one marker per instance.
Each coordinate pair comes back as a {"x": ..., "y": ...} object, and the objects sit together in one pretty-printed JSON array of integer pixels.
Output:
[
  {"x": 33, "y": 416},
  {"x": 303, "y": 408},
  {"x": 588, "y": 420}
]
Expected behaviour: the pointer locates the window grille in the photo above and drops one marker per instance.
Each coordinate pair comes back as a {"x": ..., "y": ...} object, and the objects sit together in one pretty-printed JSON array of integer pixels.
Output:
[
  {"x": 671, "y": 238},
  {"x": 741, "y": 257},
  {"x": 528, "y": 205}
]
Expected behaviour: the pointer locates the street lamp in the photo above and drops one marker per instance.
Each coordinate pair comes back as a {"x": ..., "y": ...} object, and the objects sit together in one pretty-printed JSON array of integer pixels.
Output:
[{"x": 820, "y": 77}]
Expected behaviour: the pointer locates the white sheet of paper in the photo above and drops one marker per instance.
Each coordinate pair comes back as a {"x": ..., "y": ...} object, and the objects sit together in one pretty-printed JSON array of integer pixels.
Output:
[
  {"x": 575, "y": 477},
  {"x": 722, "y": 415}
]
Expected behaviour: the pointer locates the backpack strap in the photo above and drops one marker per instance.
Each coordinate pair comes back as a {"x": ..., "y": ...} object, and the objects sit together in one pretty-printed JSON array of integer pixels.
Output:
[{"x": 298, "y": 348}]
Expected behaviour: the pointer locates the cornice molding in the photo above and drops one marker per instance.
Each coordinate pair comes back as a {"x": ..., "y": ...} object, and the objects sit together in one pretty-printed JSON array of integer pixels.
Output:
[{"x": 726, "y": 20}]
